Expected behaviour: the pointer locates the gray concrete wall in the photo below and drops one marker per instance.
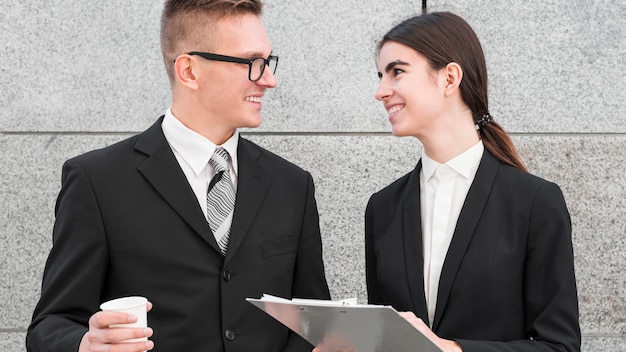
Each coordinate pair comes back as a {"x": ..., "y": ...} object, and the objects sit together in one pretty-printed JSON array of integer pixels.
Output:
[{"x": 83, "y": 74}]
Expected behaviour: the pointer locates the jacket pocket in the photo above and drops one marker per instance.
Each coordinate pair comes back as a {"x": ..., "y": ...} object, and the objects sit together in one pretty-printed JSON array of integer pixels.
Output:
[{"x": 279, "y": 247}]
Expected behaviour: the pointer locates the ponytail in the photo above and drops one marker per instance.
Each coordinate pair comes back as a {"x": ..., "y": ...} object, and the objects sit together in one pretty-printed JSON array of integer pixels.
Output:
[{"x": 499, "y": 143}]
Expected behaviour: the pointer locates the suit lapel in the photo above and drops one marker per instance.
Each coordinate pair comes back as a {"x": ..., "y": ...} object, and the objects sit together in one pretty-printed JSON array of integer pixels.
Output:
[
  {"x": 412, "y": 236},
  {"x": 466, "y": 225},
  {"x": 162, "y": 170},
  {"x": 252, "y": 184}
]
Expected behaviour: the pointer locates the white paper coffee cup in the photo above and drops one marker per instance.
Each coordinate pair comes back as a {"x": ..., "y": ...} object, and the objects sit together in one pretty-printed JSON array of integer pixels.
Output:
[{"x": 135, "y": 305}]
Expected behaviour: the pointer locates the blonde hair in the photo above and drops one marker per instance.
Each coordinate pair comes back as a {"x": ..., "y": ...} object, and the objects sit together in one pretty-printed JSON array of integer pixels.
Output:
[{"x": 185, "y": 24}]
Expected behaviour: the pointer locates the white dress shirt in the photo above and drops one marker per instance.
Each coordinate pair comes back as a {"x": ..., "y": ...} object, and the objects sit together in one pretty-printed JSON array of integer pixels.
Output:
[
  {"x": 193, "y": 152},
  {"x": 444, "y": 188}
]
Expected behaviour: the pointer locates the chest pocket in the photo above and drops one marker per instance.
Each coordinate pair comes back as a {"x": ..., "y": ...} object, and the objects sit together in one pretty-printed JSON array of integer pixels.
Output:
[{"x": 279, "y": 247}]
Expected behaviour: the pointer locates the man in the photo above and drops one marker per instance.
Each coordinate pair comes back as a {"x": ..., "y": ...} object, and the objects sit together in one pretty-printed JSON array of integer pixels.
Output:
[{"x": 139, "y": 217}]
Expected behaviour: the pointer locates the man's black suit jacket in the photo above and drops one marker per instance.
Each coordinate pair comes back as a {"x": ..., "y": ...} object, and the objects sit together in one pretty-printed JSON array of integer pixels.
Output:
[
  {"x": 507, "y": 283},
  {"x": 128, "y": 223}
]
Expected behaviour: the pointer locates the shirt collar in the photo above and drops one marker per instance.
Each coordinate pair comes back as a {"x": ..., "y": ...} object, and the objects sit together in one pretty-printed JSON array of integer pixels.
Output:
[
  {"x": 195, "y": 149},
  {"x": 464, "y": 163}
]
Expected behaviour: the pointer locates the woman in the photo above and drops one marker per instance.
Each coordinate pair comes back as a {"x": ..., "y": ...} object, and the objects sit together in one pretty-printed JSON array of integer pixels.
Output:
[{"x": 477, "y": 251}]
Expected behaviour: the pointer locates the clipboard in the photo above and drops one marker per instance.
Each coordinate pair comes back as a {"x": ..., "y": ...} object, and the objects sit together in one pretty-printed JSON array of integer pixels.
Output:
[{"x": 345, "y": 325}]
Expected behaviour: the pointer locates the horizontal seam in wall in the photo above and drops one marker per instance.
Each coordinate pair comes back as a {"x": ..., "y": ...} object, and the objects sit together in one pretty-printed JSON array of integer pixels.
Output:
[
  {"x": 604, "y": 335},
  {"x": 297, "y": 134}
]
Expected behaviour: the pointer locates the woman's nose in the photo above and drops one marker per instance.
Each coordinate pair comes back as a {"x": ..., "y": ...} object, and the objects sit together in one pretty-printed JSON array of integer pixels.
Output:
[{"x": 383, "y": 92}]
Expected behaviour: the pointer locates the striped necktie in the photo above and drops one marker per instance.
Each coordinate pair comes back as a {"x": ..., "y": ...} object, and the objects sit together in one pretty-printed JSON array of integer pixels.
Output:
[{"x": 220, "y": 199}]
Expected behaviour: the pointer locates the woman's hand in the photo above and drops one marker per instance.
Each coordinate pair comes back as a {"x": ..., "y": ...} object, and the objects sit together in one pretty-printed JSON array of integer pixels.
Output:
[{"x": 444, "y": 345}]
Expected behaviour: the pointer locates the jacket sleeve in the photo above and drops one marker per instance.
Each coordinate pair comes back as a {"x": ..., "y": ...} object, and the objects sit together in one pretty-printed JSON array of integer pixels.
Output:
[
  {"x": 74, "y": 272},
  {"x": 373, "y": 290},
  {"x": 309, "y": 278},
  {"x": 550, "y": 297}
]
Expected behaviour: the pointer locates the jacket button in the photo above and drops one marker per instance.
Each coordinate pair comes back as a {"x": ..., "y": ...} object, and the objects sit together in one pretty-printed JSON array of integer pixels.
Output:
[
  {"x": 229, "y": 334},
  {"x": 226, "y": 275}
]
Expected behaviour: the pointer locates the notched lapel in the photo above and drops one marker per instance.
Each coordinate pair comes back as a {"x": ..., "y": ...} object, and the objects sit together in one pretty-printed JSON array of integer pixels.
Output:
[
  {"x": 466, "y": 225},
  {"x": 412, "y": 235},
  {"x": 161, "y": 169},
  {"x": 253, "y": 181}
]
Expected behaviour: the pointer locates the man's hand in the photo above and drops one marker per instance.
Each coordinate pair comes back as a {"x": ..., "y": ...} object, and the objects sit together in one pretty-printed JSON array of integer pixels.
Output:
[
  {"x": 334, "y": 343},
  {"x": 101, "y": 338}
]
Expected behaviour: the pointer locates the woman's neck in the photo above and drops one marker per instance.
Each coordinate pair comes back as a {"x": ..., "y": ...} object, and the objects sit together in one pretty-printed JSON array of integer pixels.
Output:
[{"x": 450, "y": 136}]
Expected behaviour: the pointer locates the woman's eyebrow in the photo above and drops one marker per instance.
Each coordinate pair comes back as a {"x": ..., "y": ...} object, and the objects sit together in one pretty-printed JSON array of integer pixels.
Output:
[{"x": 390, "y": 66}]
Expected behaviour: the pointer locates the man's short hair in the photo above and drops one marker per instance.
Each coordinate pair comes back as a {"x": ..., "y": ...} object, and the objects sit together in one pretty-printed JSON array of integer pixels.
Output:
[{"x": 185, "y": 24}]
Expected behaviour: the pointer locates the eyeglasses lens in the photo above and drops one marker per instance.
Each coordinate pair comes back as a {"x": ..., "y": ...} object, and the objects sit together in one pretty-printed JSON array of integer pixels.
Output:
[{"x": 258, "y": 67}]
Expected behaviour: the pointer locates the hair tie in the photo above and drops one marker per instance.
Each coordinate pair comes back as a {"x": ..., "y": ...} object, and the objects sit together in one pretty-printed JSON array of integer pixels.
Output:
[{"x": 483, "y": 120}]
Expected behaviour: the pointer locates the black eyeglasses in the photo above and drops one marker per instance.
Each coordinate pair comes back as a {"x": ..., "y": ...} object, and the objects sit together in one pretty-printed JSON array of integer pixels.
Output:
[{"x": 256, "y": 66}]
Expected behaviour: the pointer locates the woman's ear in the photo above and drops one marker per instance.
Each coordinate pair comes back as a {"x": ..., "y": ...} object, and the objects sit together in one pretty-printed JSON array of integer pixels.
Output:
[{"x": 453, "y": 76}]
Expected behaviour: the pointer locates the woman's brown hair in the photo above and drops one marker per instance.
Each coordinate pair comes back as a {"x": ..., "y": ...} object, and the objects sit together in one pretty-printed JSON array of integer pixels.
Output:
[{"x": 443, "y": 37}]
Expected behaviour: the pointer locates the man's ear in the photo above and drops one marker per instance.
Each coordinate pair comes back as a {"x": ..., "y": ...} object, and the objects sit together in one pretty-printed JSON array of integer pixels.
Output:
[
  {"x": 453, "y": 76},
  {"x": 184, "y": 67}
]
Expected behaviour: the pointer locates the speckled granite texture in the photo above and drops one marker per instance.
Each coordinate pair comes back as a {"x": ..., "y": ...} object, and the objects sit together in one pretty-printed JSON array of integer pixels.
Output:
[{"x": 80, "y": 75}]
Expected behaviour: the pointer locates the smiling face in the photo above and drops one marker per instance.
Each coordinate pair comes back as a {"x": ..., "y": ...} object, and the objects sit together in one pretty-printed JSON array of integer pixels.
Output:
[
  {"x": 228, "y": 96},
  {"x": 411, "y": 91}
]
